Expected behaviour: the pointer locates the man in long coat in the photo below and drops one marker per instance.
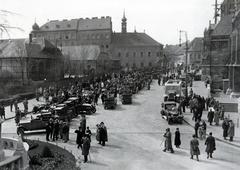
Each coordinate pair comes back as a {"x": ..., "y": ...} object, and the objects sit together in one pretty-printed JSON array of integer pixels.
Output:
[
  {"x": 225, "y": 126},
  {"x": 168, "y": 141},
  {"x": 177, "y": 140},
  {"x": 210, "y": 115},
  {"x": 103, "y": 136},
  {"x": 231, "y": 130},
  {"x": 85, "y": 148},
  {"x": 79, "y": 140},
  {"x": 210, "y": 145},
  {"x": 194, "y": 147}
]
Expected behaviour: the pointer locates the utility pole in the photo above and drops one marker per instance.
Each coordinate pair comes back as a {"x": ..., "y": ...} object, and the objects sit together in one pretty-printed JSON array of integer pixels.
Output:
[{"x": 186, "y": 59}]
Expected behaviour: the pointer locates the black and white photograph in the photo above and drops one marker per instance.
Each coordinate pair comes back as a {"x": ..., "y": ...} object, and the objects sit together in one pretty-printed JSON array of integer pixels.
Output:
[{"x": 119, "y": 85}]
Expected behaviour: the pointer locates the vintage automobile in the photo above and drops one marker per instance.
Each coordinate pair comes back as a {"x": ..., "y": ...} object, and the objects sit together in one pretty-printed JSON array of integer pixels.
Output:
[
  {"x": 110, "y": 102},
  {"x": 38, "y": 123},
  {"x": 170, "y": 112},
  {"x": 173, "y": 90},
  {"x": 86, "y": 108},
  {"x": 63, "y": 113},
  {"x": 126, "y": 98}
]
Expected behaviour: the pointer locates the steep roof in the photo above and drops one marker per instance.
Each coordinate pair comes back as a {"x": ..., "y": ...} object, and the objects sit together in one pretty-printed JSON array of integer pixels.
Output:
[
  {"x": 78, "y": 24},
  {"x": 224, "y": 27},
  {"x": 12, "y": 48},
  {"x": 196, "y": 44},
  {"x": 82, "y": 52},
  {"x": 133, "y": 39},
  {"x": 39, "y": 48}
]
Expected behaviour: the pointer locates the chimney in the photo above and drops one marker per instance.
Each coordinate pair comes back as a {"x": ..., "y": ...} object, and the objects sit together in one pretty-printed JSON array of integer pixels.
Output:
[{"x": 30, "y": 38}]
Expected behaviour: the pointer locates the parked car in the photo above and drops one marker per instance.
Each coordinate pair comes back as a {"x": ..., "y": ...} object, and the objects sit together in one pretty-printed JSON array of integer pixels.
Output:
[
  {"x": 38, "y": 123},
  {"x": 126, "y": 98},
  {"x": 86, "y": 108},
  {"x": 110, "y": 102},
  {"x": 170, "y": 112}
]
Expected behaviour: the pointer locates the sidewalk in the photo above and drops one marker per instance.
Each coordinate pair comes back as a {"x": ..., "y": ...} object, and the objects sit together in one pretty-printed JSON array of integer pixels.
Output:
[
  {"x": 199, "y": 88},
  {"x": 31, "y": 104}
]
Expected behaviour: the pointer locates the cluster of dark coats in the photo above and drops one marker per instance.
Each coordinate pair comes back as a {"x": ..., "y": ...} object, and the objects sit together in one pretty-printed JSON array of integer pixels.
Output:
[{"x": 56, "y": 129}]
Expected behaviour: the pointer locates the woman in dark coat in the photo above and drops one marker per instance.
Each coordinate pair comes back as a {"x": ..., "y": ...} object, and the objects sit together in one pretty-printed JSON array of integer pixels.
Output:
[
  {"x": 194, "y": 147},
  {"x": 210, "y": 142},
  {"x": 177, "y": 140}
]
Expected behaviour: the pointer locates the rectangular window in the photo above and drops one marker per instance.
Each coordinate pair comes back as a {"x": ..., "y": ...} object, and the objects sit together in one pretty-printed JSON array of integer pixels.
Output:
[
  {"x": 126, "y": 54},
  {"x": 149, "y": 54},
  {"x": 141, "y": 54}
]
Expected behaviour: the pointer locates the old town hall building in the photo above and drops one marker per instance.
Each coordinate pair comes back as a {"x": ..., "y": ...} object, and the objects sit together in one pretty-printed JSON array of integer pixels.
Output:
[{"x": 91, "y": 44}]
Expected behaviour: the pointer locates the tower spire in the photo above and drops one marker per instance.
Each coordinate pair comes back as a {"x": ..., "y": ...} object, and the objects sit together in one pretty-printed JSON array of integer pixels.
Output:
[{"x": 124, "y": 23}]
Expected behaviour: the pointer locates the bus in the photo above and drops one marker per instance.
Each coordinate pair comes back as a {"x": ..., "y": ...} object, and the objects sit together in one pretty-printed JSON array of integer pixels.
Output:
[{"x": 173, "y": 90}]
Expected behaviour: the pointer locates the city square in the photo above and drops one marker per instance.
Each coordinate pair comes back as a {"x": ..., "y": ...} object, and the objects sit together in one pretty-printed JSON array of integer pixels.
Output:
[{"x": 76, "y": 94}]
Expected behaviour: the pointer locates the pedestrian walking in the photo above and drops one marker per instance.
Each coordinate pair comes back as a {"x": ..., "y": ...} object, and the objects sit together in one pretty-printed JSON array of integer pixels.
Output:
[
  {"x": 177, "y": 140},
  {"x": 80, "y": 134},
  {"x": 11, "y": 105},
  {"x": 225, "y": 126},
  {"x": 55, "y": 129},
  {"x": 25, "y": 105},
  {"x": 210, "y": 145},
  {"x": 98, "y": 133},
  {"x": 216, "y": 117},
  {"x": 168, "y": 141},
  {"x": 83, "y": 123},
  {"x": 2, "y": 112},
  {"x": 61, "y": 129},
  {"x": 48, "y": 131},
  {"x": 17, "y": 116},
  {"x": 85, "y": 148},
  {"x": 194, "y": 147},
  {"x": 65, "y": 132},
  {"x": 15, "y": 105},
  {"x": 88, "y": 133},
  {"x": 103, "y": 136},
  {"x": 210, "y": 115},
  {"x": 196, "y": 127},
  {"x": 231, "y": 130}
]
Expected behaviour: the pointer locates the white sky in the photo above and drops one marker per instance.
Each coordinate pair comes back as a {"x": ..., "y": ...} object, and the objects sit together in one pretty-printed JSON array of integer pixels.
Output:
[{"x": 161, "y": 19}]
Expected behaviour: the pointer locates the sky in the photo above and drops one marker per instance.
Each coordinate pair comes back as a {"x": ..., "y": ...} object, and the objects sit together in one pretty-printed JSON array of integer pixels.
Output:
[{"x": 161, "y": 19}]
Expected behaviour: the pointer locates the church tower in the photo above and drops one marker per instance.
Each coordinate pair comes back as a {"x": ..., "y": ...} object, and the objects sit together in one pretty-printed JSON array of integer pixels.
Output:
[{"x": 124, "y": 23}]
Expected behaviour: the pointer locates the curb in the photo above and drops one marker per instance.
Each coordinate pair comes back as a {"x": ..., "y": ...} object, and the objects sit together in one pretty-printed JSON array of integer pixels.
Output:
[{"x": 218, "y": 139}]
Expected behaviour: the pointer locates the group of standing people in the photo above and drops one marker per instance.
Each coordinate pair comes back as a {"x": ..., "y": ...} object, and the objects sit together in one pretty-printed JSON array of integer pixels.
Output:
[
  {"x": 194, "y": 144},
  {"x": 228, "y": 129},
  {"x": 57, "y": 129}
]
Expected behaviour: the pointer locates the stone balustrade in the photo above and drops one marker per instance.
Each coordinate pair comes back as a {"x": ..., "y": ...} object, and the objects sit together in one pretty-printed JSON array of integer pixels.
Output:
[{"x": 15, "y": 161}]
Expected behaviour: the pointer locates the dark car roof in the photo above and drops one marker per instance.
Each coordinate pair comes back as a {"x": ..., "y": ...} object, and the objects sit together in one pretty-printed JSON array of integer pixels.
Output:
[{"x": 169, "y": 102}]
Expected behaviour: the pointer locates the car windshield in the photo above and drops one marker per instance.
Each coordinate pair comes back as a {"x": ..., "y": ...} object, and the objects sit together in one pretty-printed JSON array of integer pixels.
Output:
[{"x": 171, "y": 107}]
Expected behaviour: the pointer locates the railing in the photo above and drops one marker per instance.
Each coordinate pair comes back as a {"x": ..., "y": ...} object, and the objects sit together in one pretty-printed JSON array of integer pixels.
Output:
[{"x": 12, "y": 162}]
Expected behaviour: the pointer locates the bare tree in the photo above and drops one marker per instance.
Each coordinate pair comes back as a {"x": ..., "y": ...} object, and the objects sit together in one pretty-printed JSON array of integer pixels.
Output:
[{"x": 5, "y": 27}]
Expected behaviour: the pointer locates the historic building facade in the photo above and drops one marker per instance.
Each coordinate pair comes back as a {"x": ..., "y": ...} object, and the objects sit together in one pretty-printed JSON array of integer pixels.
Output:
[
  {"x": 94, "y": 46},
  {"x": 22, "y": 60},
  {"x": 195, "y": 52}
]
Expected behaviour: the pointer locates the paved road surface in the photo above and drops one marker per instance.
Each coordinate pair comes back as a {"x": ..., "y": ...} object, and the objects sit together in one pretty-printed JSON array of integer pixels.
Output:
[{"x": 135, "y": 134}]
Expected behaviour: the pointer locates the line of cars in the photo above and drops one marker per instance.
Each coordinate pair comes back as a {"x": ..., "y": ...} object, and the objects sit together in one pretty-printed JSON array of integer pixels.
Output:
[
  {"x": 65, "y": 111},
  {"x": 170, "y": 107}
]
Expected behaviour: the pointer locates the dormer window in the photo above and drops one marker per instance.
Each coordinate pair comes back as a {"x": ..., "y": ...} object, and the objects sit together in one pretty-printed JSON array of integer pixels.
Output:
[{"x": 46, "y": 27}]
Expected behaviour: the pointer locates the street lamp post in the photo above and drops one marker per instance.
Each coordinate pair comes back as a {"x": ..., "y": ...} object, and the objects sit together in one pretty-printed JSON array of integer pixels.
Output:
[{"x": 186, "y": 58}]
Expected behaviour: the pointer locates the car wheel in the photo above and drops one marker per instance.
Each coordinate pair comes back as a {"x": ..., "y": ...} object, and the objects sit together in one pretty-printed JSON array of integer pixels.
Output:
[
  {"x": 94, "y": 110},
  {"x": 20, "y": 131}
]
